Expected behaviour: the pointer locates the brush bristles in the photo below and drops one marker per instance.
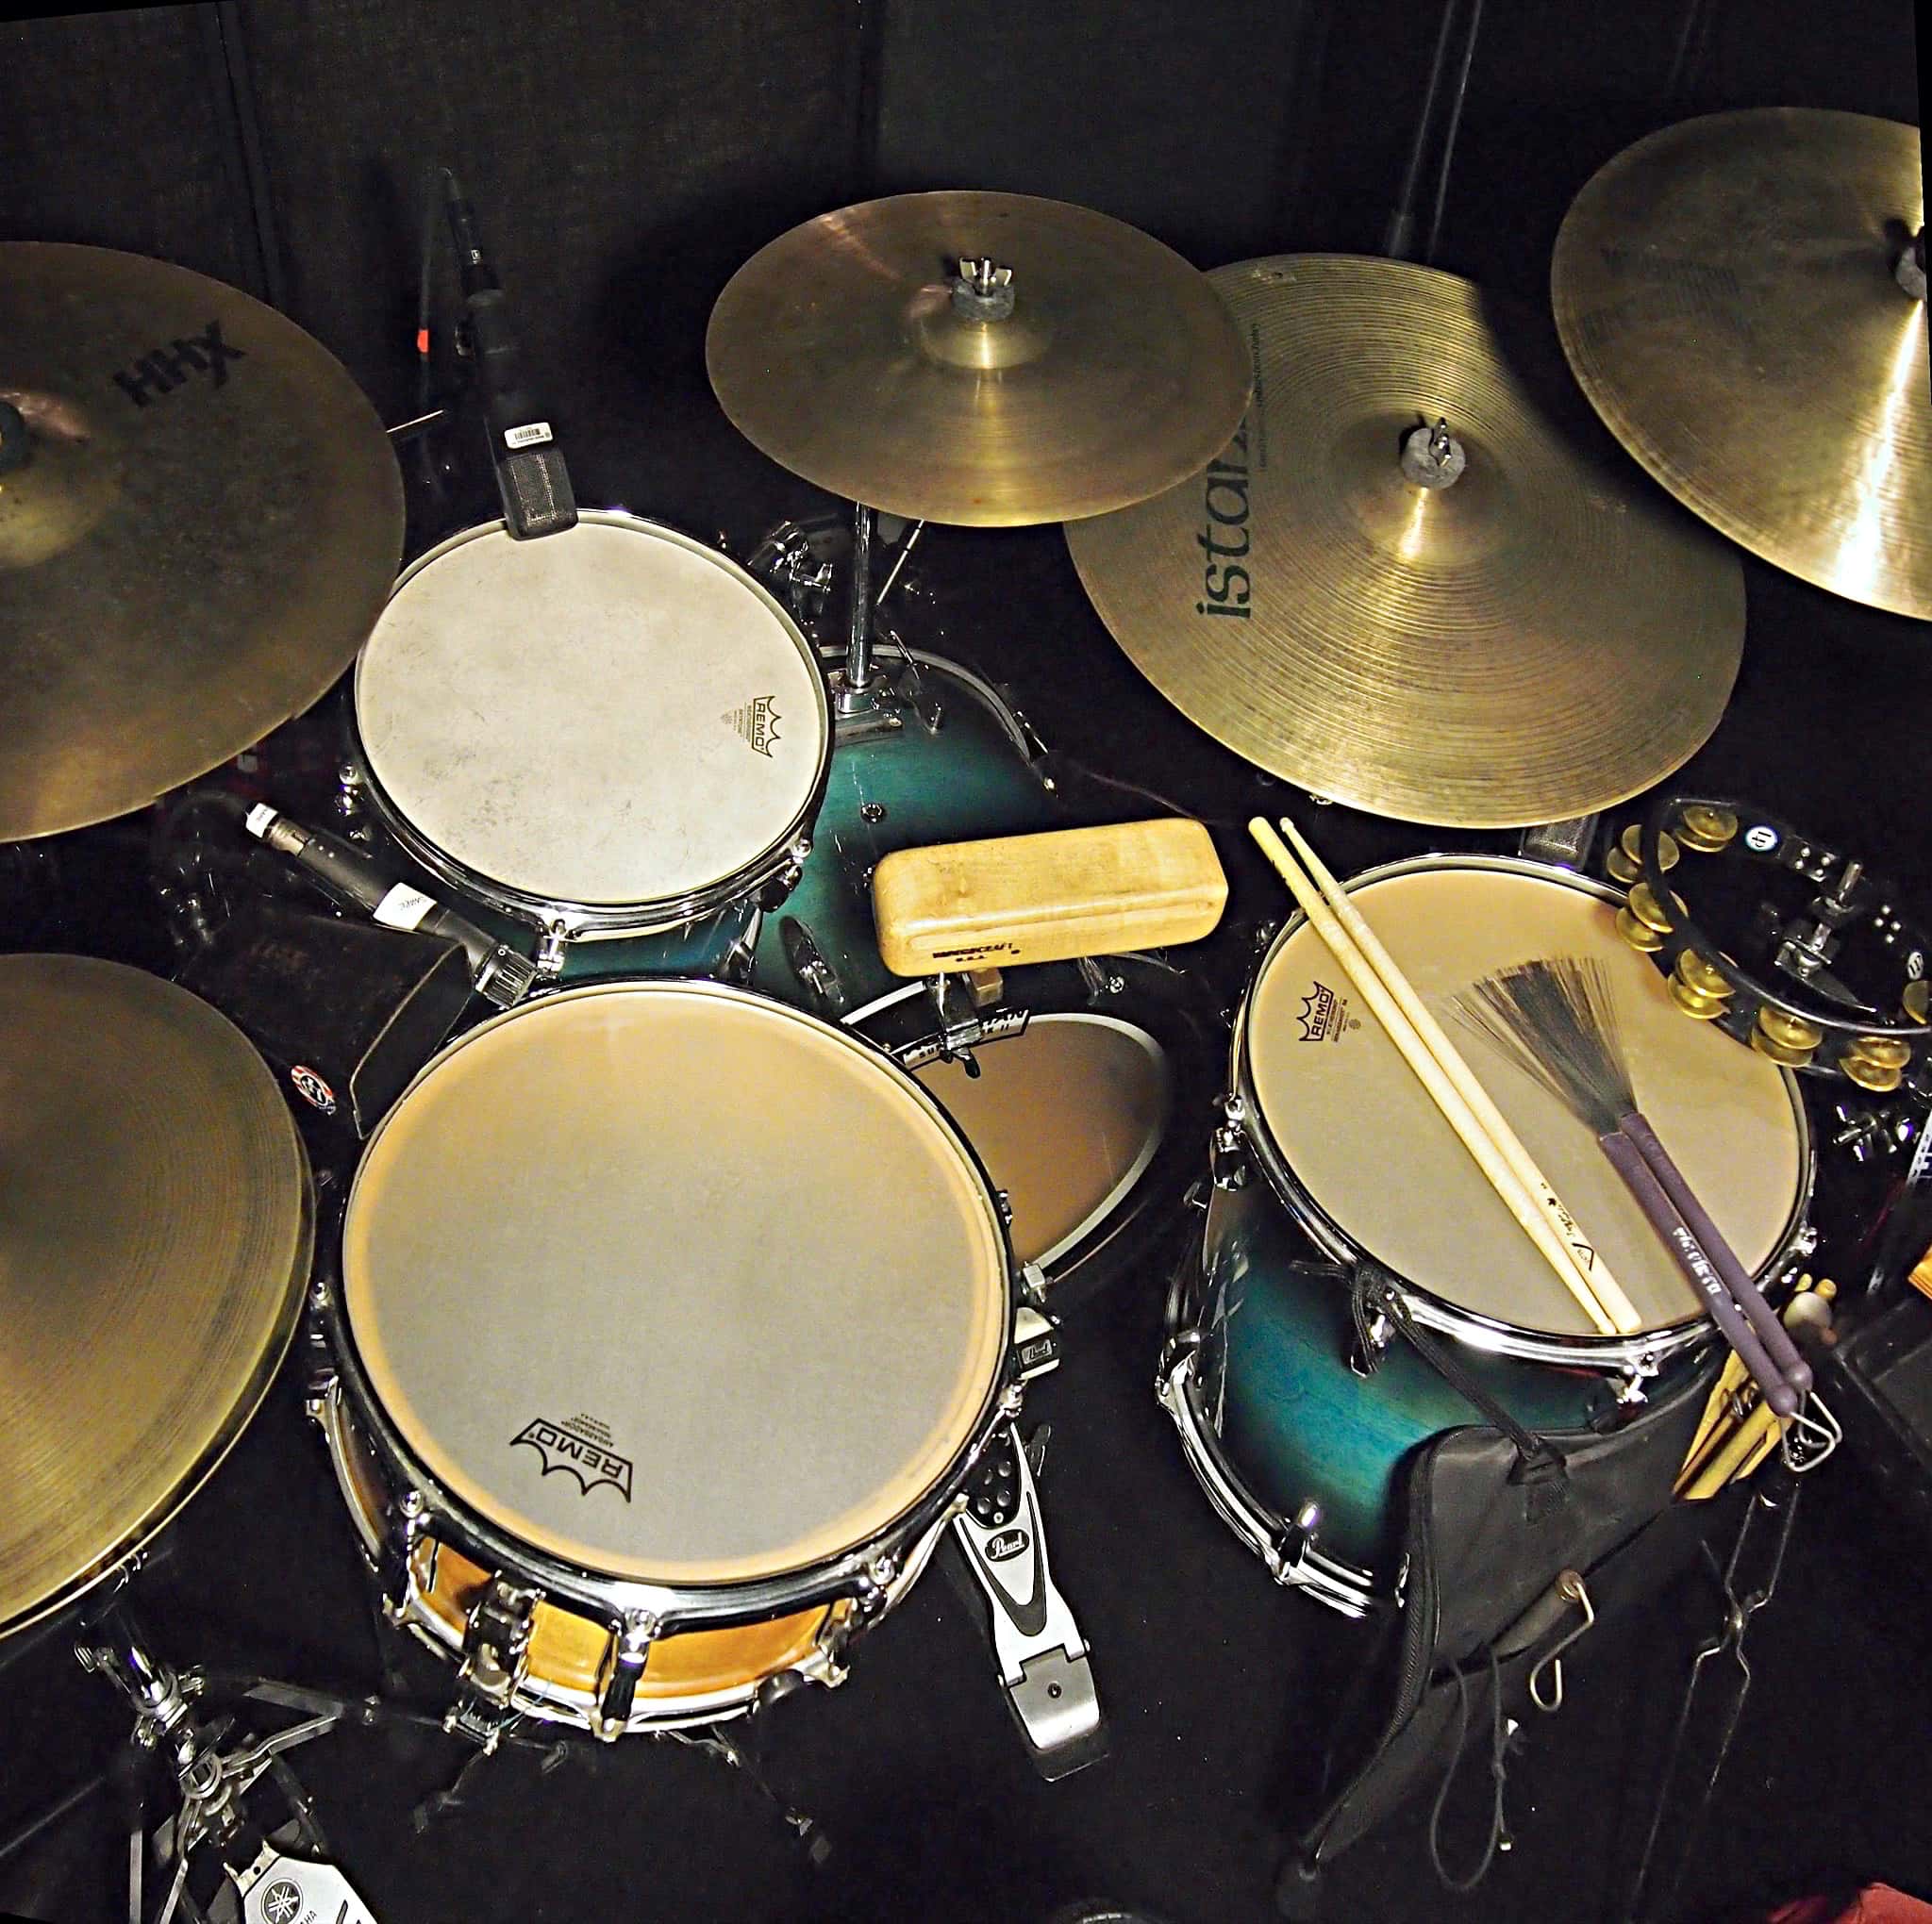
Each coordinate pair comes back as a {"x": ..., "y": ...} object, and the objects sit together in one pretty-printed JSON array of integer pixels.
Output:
[{"x": 1554, "y": 1018}]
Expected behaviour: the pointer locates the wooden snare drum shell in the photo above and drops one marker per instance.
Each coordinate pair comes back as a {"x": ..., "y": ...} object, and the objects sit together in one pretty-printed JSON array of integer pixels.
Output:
[{"x": 569, "y": 1653}]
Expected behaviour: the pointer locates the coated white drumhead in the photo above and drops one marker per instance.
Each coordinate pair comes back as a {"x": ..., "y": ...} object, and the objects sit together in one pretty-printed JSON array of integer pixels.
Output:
[
  {"x": 610, "y": 715},
  {"x": 674, "y": 1282},
  {"x": 1360, "y": 1132}
]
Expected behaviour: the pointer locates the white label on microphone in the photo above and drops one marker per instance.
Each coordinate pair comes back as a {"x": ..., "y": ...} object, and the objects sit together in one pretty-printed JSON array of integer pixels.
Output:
[
  {"x": 260, "y": 817},
  {"x": 529, "y": 436},
  {"x": 404, "y": 907}
]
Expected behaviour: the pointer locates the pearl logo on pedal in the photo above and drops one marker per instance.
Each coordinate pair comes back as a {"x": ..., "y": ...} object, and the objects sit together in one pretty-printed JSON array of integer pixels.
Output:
[
  {"x": 581, "y": 1446},
  {"x": 1006, "y": 1544},
  {"x": 757, "y": 722}
]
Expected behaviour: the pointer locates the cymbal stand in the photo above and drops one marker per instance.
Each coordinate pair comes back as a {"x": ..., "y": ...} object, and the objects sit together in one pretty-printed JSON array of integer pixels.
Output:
[
  {"x": 212, "y": 1782},
  {"x": 853, "y": 686}
]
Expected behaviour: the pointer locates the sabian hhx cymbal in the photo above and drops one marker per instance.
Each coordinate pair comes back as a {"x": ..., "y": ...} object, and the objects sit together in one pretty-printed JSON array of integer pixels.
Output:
[
  {"x": 154, "y": 1232},
  {"x": 200, "y": 518},
  {"x": 1074, "y": 366},
  {"x": 1419, "y": 580},
  {"x": 1744, "y": 300}
]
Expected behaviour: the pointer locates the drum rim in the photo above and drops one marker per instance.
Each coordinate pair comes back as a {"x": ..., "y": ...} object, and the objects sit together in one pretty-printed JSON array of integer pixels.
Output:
[
  {"x": 648, "y": 914},
  {"x": 683, "y": 1605},
  {"x": 1640, "y": 1352}
]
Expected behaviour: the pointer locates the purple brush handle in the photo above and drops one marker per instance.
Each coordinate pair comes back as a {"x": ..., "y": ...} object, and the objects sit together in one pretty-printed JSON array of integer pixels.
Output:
[
  {"x": 1748, "y": 1297},
  {"x": 1627, "y": 1160}
]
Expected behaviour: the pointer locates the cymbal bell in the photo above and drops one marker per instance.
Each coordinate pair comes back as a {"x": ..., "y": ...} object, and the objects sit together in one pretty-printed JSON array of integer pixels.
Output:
[
  {"x": 1086, "y": 366},
  {"x": 1482, "y": 625},
  {"x": 156, "y": 1225},
  {"x": 203, "y": 526},
  {"x": 1727, "y": 291}
]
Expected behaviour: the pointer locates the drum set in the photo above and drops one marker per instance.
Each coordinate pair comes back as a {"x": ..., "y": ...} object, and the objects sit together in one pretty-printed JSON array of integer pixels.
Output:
[{"x": 679, "y": 1309}]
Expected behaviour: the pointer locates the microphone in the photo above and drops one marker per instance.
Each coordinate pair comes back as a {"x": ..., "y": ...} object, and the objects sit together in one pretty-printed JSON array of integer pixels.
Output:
[
  {"x": 498, "y": 974},
  {"x": 531, "y": 478}
]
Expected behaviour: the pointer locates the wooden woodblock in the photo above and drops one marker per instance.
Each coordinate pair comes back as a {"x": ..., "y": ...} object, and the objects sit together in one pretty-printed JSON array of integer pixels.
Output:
[{"x": 1047, "y": 898}]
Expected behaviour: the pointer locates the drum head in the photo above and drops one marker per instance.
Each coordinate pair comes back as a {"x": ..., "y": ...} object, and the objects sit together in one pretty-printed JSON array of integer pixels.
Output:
[
  {"x": 603, "y": 1282},
  {"x": 1360, "y": 1136},
  {"x": 608, "y": 716},
  {"x": 1066, "y": 1117}
]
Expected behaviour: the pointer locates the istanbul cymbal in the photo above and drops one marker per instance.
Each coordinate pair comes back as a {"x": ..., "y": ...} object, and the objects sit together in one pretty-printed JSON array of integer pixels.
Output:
[
  {"x": 205, "y": 524},
  {"x": 155, "y": 1224},
  {"x": 1482, "y": 625},
  {"x": 1082, "y": 366},
  {"x": 1729, "y": 292}
]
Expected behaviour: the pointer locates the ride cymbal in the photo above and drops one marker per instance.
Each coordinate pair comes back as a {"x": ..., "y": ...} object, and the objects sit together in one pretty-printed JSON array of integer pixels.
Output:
[
  {"x": 205, "y": 525},
  {"x": 1084, "y": 367},
  {"x": 1728, "y": 293},
  {"x": 1529, "y": 636},
  {"x": 156, "y": 1226}
]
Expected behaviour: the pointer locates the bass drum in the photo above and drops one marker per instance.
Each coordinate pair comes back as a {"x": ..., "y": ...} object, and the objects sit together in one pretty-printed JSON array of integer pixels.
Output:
[
  {"x": 1333, "y": 1150},
  {"x": 1072, "y": 1100}
]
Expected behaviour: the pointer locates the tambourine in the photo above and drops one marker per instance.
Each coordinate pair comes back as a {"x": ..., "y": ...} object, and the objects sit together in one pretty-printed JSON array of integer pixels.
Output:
[{"x": 1835, "y": 977}]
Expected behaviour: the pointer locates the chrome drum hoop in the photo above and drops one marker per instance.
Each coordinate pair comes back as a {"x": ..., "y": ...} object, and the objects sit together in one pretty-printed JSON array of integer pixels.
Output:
[
  {"x": 1638, "y": 1355},
  {"x": 578, "y": 919},
  {"x": 1289, "y": 1554}
]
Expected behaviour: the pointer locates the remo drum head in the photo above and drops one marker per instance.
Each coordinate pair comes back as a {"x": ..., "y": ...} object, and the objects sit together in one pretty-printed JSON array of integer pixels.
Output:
[
  {"x": 1369, "y": 1159},
  {"x": 613, "y": 715},
  {"x": 597, "y": 1281}
]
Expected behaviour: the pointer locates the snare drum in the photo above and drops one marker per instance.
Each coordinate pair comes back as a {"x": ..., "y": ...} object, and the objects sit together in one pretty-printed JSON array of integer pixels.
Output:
[
  {"x": 1072, "y": 1113},
  {"x": 610, "y": 731},
  {"x": 1296, "y": 1434},
  {"x": 631, "y": 1426}
]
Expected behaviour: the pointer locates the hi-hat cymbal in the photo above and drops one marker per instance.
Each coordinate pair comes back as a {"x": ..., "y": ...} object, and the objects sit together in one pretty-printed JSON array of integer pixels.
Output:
[
  {"x": 206, "y": 525},
  {"x": 1539, "y": 637},
  {"x": 155, "y": 1233},
  {"x": 844, "y": 352},
  {"x": 1726, "y": 292}
]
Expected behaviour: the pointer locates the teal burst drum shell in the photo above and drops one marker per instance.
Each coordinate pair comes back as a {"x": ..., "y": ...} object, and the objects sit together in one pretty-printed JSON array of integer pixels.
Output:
[{"x": 1263, "y": 1378}]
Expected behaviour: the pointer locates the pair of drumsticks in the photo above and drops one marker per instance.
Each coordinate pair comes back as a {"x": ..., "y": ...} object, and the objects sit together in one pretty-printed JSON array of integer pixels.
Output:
[{"x": 1554, "y": 1019}]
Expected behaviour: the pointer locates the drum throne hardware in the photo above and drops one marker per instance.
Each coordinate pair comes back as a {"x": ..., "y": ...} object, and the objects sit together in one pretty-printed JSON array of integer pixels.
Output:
[
  {"x": 201, "y": 516},
  {"x": 1835, "y": 984},
  {"x": 589, "y": 1532},
  {"x": 1294, "y": 1399},
  {"x": 1418, "y": 580},
  {"x": 1742, "y": 299}
]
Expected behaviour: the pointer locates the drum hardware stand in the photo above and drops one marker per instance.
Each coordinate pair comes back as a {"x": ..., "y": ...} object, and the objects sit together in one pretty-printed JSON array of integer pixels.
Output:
[
  {"x": 962, "y": 1027},
  {"x": 1776, "y": 1498},
  {"x": 1043, "y": 1662},
  {"x": 273, "y": 1887},
  {"x": 1566, "y": 844}
]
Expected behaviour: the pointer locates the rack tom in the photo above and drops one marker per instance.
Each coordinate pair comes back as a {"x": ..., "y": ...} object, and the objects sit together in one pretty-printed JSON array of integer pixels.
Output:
[{"x": 608, "y": 733}]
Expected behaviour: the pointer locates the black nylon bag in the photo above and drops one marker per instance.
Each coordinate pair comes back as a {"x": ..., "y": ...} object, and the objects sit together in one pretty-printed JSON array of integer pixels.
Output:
[{"x": 1487, "y": 1534}]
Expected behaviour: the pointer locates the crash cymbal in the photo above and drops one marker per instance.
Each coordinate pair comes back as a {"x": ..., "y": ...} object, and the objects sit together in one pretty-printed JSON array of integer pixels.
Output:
[
  {"x": 203, "y": 529},
  {"x": 155, "y": 1233},
  {"x": 1539, "y": 637},
  {"x": 1094, "y": 367},
  {"x": 1726, "y": 292}
]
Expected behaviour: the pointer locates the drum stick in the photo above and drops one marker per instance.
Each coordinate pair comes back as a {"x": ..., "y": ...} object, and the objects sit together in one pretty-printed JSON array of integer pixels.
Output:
[
  {"x": 1516, "y": 1195},
  {"x": 1582, "y": 1253}
]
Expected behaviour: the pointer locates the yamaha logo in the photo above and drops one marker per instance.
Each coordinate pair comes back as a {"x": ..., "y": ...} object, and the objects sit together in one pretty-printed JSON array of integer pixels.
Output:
[{"x": 282, "y": 1900}]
